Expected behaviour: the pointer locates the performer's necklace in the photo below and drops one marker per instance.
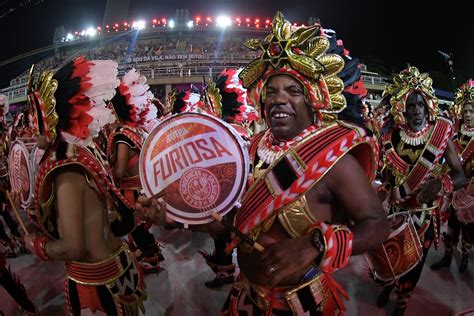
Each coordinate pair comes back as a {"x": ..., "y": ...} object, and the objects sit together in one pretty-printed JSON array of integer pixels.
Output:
[
  {"x": 412, "y": 138},
  {"x": 467, "y": 131},
  {"x": 268, "y": 151}
]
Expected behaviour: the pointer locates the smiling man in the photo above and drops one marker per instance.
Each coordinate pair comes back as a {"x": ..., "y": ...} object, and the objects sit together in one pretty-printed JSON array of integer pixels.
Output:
[
  {"x": 311, "y": 205},
  {"x": 415, "y": 178}
]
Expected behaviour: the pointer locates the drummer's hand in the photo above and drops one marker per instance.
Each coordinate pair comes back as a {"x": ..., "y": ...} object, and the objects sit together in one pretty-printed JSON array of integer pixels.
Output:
[
  {"x": 151, "y": 210},
  {"x": 429, "y": 191},
  {"x": 289, "y": 259},
  {"x": 28, "y": 239}
]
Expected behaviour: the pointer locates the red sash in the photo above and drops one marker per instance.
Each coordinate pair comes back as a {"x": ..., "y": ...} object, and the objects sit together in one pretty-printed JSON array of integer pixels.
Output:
[
  {"x": 464, "y": 152},
  {"x": 300, "y": 168},
  {"x": 89, "y": 162},
  {"x": 428, "y": 159}
]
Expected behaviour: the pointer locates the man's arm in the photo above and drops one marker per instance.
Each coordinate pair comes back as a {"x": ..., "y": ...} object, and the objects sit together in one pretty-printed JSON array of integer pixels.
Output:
[
  {"x": 121, "y": 161},
  {"x": 353, "y": 192},
  {"x": 70, "y": 188}
]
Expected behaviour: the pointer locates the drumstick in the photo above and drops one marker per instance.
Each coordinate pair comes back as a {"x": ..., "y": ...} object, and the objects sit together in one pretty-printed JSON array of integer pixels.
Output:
[
  {"x": 236, "y": 231},
  {"x": 159, "y": 194},
  {"x": 15, "y": 210}
]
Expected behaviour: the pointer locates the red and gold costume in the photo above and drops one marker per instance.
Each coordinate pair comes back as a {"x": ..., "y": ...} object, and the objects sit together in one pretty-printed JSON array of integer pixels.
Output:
[
  {"x": 283, "y": 174},
  {"x": 69, "y": 109},
  {"x": 461, "y": 216},
  {"x": 409, "y": 160},
  {"x": 134, "y": 110}
]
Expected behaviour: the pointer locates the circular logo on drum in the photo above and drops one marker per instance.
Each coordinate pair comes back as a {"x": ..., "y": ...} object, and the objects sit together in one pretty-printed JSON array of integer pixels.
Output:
[{"x": 199, "y": 188}]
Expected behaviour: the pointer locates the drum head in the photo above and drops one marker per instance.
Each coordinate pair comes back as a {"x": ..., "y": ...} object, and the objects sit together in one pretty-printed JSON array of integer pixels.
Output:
[
  {"x": 197, "y": 163},
  {"x": 19, "y": 170}
]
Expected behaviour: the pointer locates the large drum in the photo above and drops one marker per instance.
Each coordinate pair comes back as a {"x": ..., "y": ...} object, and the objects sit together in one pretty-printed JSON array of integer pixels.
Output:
[
  {"x": 197, "y": 163},
  {"x": 20, "y": 173},
  {"x": 463, "y": 204},
  {"x": 400, "y": 252}
]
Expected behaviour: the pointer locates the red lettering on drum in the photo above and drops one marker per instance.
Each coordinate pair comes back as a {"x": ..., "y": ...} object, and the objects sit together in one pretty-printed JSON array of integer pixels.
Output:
[
  {"x": 196, "y": 152},
  {"x": 219, "y": 148},
  {"x": 201, "y": 146},
  {"x": 186, "y": 155},
  {"x": 156, "y": 171}
]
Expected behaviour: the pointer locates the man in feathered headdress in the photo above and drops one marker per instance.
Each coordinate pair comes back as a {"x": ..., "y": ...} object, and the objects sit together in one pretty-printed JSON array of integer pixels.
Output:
[
  {"x": 414, "y": 140},
  {"x": 311, "y": 173},
  {"x": 134, "y": 110},
  {"x": 463, "y": 200},
  {"x": 74, "y": 190}
]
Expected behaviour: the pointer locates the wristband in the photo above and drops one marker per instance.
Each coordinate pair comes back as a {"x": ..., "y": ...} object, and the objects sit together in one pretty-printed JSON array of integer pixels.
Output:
[{"x": 39, "y": 244}]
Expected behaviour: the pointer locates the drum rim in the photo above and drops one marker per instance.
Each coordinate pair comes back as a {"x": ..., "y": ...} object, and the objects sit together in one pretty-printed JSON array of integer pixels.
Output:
[
  {"x": 406, "y": 216},
  {"x": 28, "y": 202},
  {"x": 240, "y": 142}
]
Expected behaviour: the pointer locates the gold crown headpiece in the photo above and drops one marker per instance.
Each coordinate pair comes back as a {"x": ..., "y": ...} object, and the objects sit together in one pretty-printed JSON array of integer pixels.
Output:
[
  {"x": 43, "y": 103},
  {"x": 464, "y": 95},
  {"x": 407, "y": 82},
  {"x": 299, "y": 52}
]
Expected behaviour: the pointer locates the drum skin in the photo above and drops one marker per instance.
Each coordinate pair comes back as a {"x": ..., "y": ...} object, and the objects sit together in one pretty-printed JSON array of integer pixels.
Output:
[
  {"x": 197, "y": 163},
  {"x": 400, "y": 252},
  {"x": 20, "y": 173}
]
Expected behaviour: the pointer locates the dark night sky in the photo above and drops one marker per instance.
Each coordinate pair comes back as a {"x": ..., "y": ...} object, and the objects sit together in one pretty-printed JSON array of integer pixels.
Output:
[{"x": 395, "y": 32}]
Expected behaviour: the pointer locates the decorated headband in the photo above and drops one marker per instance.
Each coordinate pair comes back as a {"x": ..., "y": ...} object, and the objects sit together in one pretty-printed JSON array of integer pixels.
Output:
[
  {"x": 133, "y": 101},
  {"x": 72, "y": 100},
  {"x": 406, "y": 83}
]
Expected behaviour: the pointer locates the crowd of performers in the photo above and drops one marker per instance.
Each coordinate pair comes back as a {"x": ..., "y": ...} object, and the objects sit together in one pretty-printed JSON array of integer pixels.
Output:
[{"x": 329, "y": 178}]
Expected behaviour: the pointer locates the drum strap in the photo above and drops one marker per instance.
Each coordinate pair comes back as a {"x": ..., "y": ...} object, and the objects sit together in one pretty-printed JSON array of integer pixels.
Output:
[
  {"x": 468, "y": 151},
  {"x": 298, "y": 170},
  {"x": 428, "y": 159}
]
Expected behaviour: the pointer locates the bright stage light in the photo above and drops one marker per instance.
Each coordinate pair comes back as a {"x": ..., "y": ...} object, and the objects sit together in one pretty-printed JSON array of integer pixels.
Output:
[
  {"x": 190, "y": 24},
  {"x": 139, "y": 25},
  {"x": 91, "y": 32},
  {"x": 224, "y": 21},
  {"x": 69, "y": 37},
  {"x": 171, "y": 23}
]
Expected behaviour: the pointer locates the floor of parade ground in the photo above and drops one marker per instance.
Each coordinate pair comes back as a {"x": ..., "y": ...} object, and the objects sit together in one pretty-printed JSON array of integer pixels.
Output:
[{"x": 179, "y": 288}]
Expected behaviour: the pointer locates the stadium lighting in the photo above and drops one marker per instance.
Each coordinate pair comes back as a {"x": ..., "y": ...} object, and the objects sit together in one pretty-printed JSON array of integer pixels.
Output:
[
  {"x": 171, "y": 23},
  {"x": 190, "y": 24},
  {"x": 139, "y": 25},
  {"x": 91, "y": 32},
  {"x": 69, "y": 37},
  {"x": 224, "y": 21}
]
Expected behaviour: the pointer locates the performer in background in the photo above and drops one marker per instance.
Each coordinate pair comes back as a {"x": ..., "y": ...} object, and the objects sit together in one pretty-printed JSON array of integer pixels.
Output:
[
  {"x": 10, "y": 282},
  {"x": 12, "y": 243},
  {"x": 133, "y": 110},
  {"x": 464, "y": 144},
  {"x": 311, "y": 204},
  {"x": 226, "y": 99},
  {"x": 74, "y": 190},
  {"x": 414, "y": 140}
]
